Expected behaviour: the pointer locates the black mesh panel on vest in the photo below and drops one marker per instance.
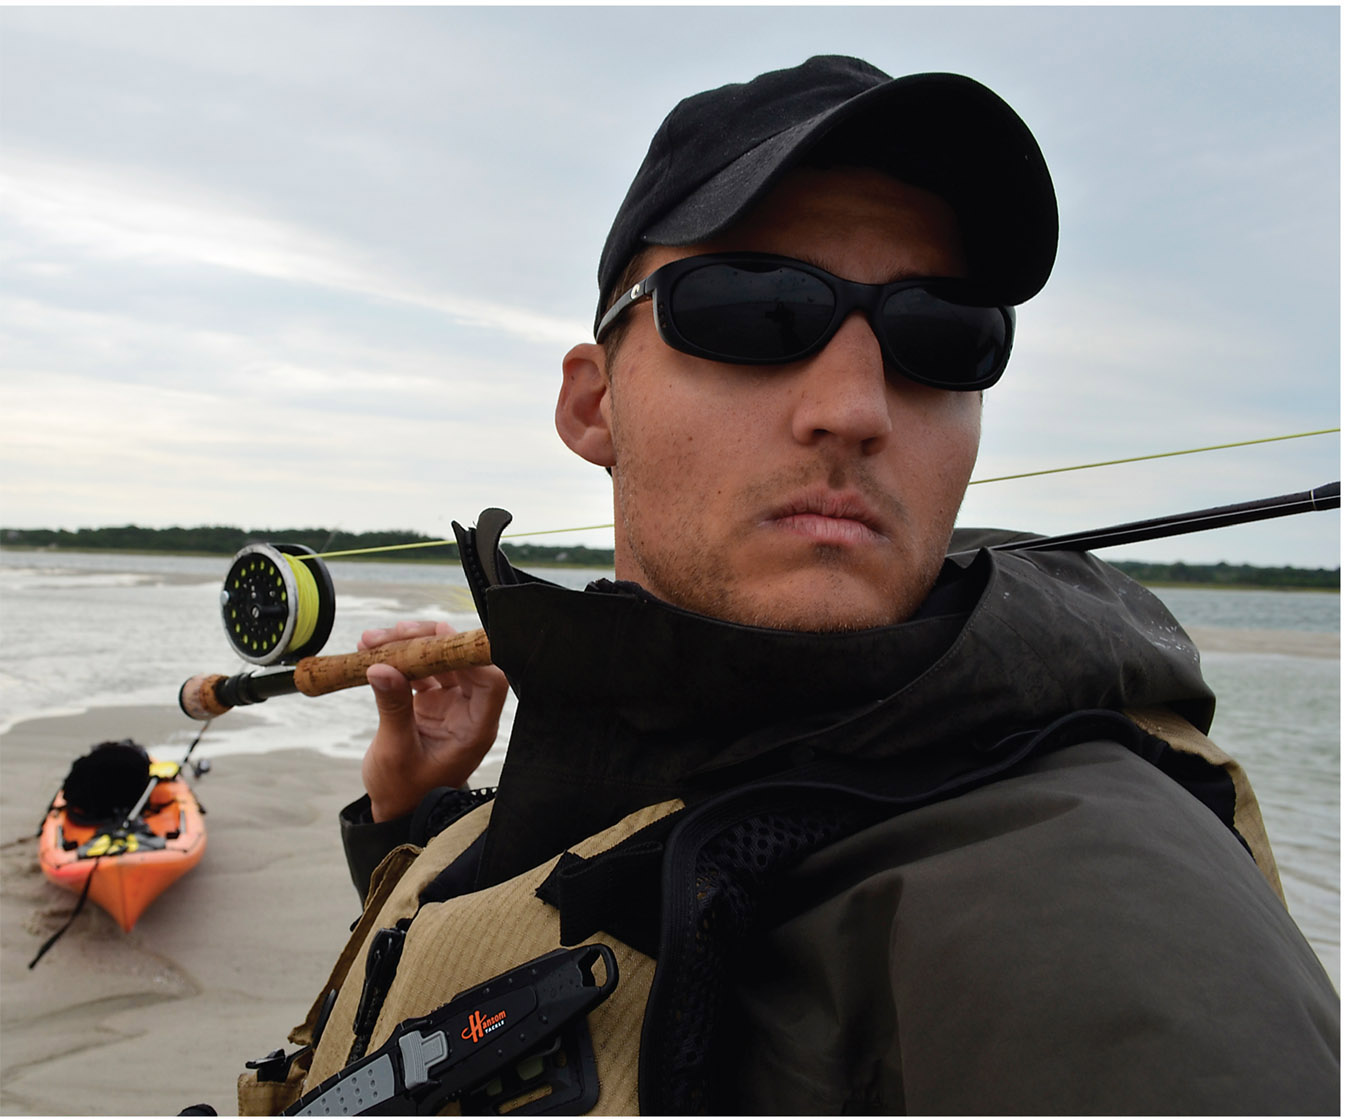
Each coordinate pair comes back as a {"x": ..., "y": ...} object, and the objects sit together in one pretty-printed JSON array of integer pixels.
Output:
[{"x": 732, "y": 875}]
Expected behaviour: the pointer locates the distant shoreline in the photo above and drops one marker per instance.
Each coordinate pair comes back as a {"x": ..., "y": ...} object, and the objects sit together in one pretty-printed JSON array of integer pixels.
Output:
[
  {"x": 1217, "y": 576},
  {"x": 401, "y": 557},
  {"x": 1199, "y": 585}
]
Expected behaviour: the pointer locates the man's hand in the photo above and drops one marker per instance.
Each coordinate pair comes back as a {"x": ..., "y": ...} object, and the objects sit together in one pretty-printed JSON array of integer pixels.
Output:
[{"x": 431, "y": 732}]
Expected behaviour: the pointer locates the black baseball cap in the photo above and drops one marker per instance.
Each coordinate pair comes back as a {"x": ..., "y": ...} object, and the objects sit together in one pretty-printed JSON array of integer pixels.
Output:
[{"x": 720, "y": 151}]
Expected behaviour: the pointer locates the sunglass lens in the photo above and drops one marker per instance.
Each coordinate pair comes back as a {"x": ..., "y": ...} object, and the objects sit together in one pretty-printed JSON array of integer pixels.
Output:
[
  {"x": 944, "y": 343},
  {"x": 748, "y": 312}
]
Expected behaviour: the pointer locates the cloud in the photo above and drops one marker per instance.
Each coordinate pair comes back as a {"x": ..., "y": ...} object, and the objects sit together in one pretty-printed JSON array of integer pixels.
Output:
[
  {"x": 156, "y": 455},
  {"x": 279, "y": 264},
  {"x": 114, "y": 214}
]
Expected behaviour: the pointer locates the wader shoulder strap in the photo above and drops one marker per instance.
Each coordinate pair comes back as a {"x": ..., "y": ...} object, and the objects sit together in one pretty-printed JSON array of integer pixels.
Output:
[{"x": 1245, "y": 816}]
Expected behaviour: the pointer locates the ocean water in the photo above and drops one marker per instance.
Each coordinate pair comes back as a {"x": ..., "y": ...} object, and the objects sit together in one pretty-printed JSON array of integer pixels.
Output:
[
  {"x": 98, "y": 630},
  {"x": 1280, "y": 717}
]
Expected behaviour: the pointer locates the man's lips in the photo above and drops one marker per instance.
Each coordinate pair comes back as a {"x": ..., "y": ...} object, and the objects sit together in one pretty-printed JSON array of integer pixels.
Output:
[{"x": 828, "y": 517}]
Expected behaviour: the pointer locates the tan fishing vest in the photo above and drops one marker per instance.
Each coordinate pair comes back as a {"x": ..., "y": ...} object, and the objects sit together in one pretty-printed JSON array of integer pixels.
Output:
[{"x": 456, "y": 944}]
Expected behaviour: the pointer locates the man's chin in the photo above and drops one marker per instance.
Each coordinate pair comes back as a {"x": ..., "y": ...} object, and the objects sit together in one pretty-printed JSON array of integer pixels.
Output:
[
  {"x": 809, "y": 604},
  {"x": 826, "y": 591},
  {"x": 814, "y": 619}
]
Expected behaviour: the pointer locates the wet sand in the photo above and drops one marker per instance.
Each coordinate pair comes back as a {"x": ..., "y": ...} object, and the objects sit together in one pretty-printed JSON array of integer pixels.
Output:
[
  {"x": 1278, "y": 642},
  {"x": 216, "y": 972}
]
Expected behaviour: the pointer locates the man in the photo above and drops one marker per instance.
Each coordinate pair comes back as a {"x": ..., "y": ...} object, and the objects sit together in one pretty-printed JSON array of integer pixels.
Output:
[{"x": 864, "y": 818}]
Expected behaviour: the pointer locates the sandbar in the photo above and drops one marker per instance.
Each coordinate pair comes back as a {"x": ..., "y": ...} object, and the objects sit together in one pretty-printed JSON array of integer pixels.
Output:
[{"x": 215, "y": 973}]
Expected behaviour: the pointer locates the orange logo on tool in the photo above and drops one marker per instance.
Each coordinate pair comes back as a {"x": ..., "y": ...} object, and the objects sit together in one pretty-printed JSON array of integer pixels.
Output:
[{"x": 478, "y": 1027}]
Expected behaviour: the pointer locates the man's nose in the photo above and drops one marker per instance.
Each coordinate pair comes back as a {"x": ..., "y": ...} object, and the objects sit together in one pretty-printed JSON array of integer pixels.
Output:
[{"x": 843, "y": 391}]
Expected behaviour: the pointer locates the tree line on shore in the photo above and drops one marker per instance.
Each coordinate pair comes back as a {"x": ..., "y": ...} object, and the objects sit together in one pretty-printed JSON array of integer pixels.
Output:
[{"x": 226, "y": 540}]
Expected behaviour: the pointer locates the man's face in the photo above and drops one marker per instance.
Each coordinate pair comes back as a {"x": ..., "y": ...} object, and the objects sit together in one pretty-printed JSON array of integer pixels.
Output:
[{"x": 817, "y": 495}]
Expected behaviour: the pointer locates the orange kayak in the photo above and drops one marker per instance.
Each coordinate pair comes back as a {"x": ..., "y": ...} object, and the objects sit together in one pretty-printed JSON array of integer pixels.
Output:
[{"x": 125, "y": 865}]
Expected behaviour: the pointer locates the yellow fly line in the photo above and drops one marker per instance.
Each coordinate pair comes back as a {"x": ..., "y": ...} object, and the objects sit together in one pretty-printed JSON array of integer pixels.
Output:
[
  {"x": 974, "y": 482},
  {"x": 306, "y": 615},
  {"x": 442, "y": 543},
  {"x": 1147, "y": 458}
]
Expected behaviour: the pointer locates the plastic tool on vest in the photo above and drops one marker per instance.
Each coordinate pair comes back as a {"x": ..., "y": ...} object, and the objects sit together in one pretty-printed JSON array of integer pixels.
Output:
[{"x": 475, "y": 1039}]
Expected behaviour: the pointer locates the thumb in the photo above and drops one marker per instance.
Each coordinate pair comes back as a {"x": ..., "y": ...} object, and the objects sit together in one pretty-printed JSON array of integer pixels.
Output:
[{"x": 393, "y": 748}]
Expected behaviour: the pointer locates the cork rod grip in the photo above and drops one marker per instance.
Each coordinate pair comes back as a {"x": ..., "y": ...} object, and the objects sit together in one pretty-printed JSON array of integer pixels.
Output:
[
  {"x": 414, "y": 658},
  {"x": 199, "y": 700}
]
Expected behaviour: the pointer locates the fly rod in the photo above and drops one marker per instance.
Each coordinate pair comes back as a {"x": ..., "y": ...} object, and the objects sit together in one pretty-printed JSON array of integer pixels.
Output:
[
  {"x": 204, "y": 697},
  {"x": 1220, "y": 516},
  {"x": 269, "y": 609}
]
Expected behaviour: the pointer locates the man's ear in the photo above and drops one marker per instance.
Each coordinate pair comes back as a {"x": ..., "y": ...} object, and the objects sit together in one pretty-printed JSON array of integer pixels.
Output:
[{"x": 582, "y": 404}]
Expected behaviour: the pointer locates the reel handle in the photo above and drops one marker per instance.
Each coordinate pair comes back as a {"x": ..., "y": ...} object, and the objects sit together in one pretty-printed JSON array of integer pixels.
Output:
[{"x": 205, "y": 697}]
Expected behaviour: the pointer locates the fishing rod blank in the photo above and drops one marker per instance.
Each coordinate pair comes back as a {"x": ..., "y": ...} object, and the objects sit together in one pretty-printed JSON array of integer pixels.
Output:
[
  {"x": 204, "y": 697},
  {"x": 1221, "y": 516}
]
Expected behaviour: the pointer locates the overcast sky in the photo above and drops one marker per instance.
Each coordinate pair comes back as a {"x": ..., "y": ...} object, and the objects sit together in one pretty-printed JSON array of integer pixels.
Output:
[{"x": 318, "y": 266}]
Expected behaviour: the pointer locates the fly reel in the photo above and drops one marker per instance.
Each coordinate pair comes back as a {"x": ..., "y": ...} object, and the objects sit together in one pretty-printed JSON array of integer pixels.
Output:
[{"x": 277, "y": 608}]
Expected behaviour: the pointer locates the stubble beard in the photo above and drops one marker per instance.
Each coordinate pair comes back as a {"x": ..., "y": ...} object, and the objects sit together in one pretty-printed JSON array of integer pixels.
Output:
[{"x": 696, "y": 573}]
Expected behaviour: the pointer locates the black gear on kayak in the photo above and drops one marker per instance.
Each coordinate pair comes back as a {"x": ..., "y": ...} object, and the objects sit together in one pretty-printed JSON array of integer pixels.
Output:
[{"x": 105, "y": 783}]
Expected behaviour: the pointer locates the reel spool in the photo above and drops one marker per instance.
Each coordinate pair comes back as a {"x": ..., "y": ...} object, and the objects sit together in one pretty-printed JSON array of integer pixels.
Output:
[{"x": 276, "y": 608}]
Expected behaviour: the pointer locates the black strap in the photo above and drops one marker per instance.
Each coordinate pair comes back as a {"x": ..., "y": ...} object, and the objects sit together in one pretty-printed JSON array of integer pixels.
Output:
[
  {"x": 71, "y": 920},
  {"x": 458, "y": 878},
  {"x": 381, "y": 965},
  {"x": 618, "y": 891}
]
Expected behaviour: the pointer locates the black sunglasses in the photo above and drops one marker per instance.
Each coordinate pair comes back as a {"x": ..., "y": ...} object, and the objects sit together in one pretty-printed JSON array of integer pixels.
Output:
[{"x": 761, "y": 309}]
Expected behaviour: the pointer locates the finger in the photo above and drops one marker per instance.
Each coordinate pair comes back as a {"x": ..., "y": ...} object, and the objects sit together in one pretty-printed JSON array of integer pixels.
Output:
[
  {"x": 486, "y": 694},
  {"x": 414, "y": 628},
  {"x": 486, "y": 678},
  {"x": 373, "y": 638},
  {"x": 393, "y": 699}
]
